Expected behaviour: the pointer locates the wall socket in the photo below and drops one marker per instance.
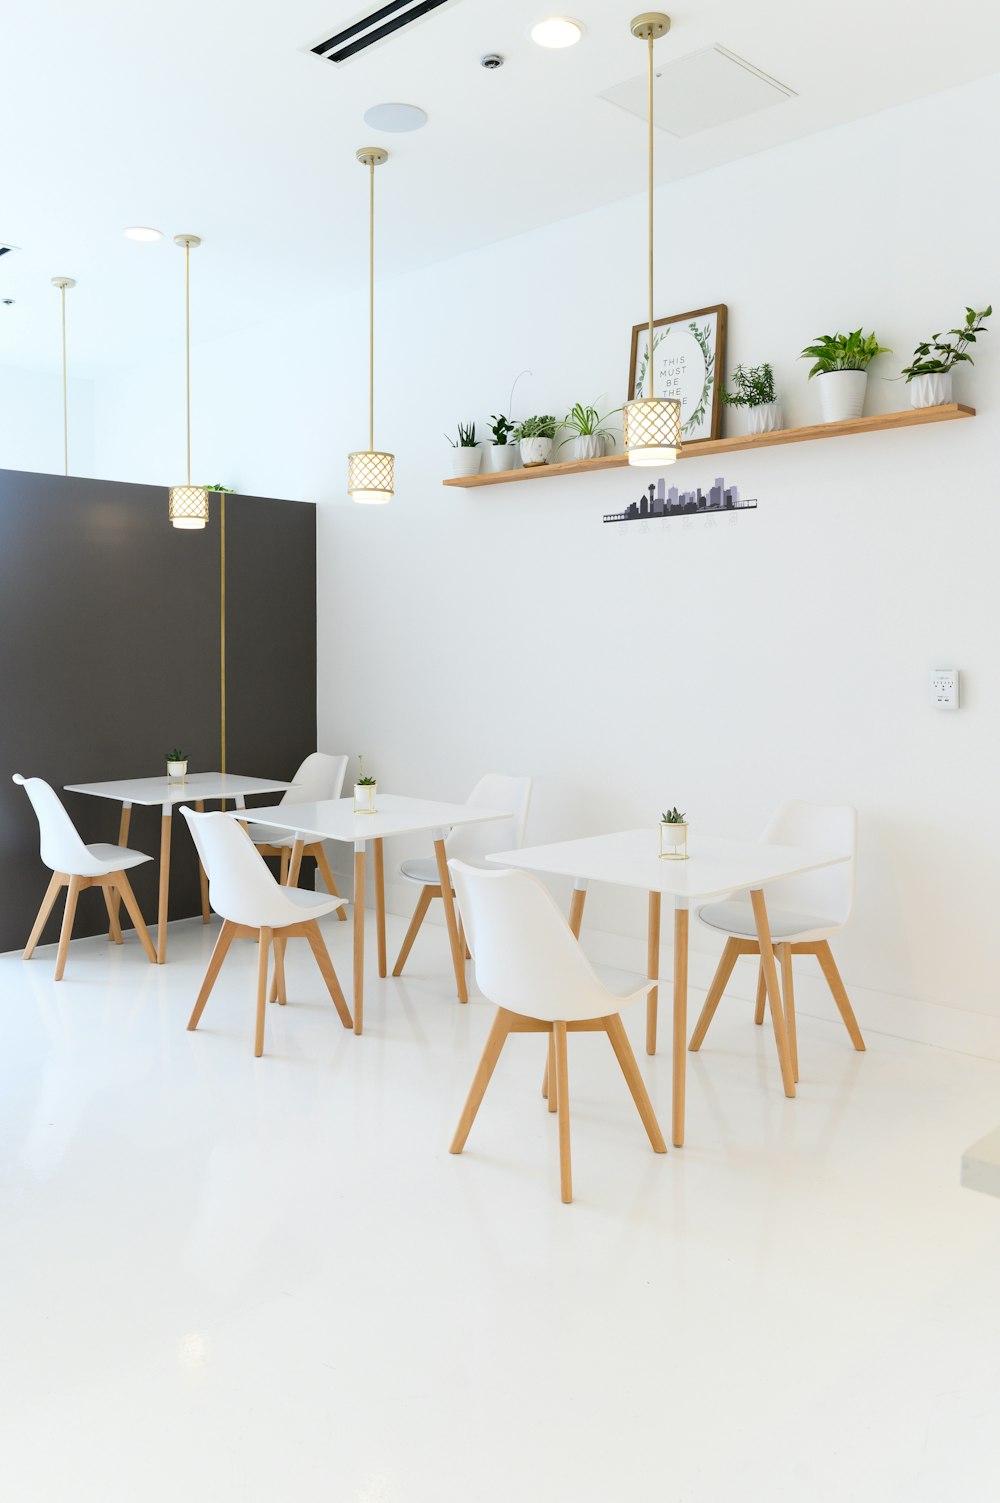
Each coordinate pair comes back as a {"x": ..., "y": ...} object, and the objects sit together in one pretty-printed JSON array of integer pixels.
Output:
[{"x": 944, "y": 688}]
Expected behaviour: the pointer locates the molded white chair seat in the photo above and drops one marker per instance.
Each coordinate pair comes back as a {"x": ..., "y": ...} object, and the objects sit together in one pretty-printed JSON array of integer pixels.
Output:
[
  {"x": 320, "y": 777},
  {"x": 253, "y": 905},
  {"x": 270, "y": 835},
  {"x": 113, "y": 858},
  {"x": 421, "y": 869},
  {"x": 529, "y": 962},
  {"x": 735, "y": 917}
]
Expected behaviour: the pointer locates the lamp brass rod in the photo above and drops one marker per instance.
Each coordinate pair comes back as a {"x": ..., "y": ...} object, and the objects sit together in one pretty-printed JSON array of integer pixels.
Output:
[
  {"x": 65, "y": 387},
  {"x": 371, "y": 306},
  {"x": 187, "y": 350},
  {"x": 222, "y": 615},
  {"x": 652, "y": 384}
]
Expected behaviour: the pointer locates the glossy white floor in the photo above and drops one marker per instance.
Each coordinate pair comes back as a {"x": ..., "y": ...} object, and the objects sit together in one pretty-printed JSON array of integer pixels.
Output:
[{"x": 239, "y": 1279}]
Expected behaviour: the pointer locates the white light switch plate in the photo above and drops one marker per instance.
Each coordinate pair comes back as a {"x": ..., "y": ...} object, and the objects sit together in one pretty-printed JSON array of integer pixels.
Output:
[{"x": 944, "y": 688}]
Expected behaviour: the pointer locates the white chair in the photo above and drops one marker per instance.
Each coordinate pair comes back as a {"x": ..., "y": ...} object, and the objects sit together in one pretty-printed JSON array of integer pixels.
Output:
[
  {"x": 530, "y": 964},
  {"x": 252, "y": 905},
  {"x": 76, "y": 866},
  {"x": 470, "y": 844},
  {"x": 803, "y": 914},
  {"x": 320, "y": 777}
]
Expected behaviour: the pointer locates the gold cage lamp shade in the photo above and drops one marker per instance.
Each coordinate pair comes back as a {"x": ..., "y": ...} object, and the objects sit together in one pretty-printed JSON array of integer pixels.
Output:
[
  {"x": 188, "y": 506},
  {"x": 370, "y": 477}
]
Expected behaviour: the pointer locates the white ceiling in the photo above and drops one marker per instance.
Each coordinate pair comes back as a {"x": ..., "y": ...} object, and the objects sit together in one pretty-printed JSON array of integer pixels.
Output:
[{"x": 211, "y": 116}]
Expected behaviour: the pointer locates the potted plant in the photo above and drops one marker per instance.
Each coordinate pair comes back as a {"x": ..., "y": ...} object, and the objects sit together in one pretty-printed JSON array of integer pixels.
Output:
[
  {"x": 753, "y": 388},
  {"x": 502, "y": 453},
  {"x": 929, "y": 376},
  {"x": 177, "y": 765},
  {"x": 465, "y": 456},
  {"x": 588, "y": 435},
  {"x": 364, "y": 790},
  {"x": 673, "y": 835},
  {"x": 536, "y": 436},
  {"x": 842, "y": 362}
]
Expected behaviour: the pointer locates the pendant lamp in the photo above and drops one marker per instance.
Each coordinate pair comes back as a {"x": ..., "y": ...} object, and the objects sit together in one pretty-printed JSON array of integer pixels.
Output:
[
  {"x": 652, "y": 424},
  {"x": 188, "y": 503},
  {"x": 370, "y": 472},
  {"x": 63, "y": 283}
]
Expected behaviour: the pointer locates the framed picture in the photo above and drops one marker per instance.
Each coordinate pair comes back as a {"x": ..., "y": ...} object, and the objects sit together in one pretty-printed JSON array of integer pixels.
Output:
[{"x": 689, "y": 356}]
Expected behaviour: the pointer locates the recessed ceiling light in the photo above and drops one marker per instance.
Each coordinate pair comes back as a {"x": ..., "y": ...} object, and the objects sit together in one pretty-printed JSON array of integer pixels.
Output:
[
  {"x": 395, "y": 117},
  {"x": 143, "y": 232},
  {"x": 558, "y": 31}
]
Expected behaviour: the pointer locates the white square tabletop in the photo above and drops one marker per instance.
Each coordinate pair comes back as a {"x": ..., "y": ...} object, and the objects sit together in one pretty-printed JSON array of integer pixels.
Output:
[
  {"x": 197, "y": 785},
  {"x": 335, "y": 819}
]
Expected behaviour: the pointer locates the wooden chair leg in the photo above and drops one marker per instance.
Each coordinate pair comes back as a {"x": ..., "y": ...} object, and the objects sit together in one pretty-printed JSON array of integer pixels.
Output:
[
  {"x": 225, "y": 939},
  {"x": 423, "y": 903},
  {"x": 730, "y": 955},
  {"x": 326, "y": 871},
  {"x": 825, "y": 957},
  {"x": 263, "y": 946},
  {"x": 788, "y": 999},
  {"x": 630, "y": 1069},
  {"x": 481, "y": 1079},
  {"x": 65, "y": 933},
  {"x": 114, "y": 927},
  {"x": 318, "y": 946},
  {"x": 773, "y": 990},
  {"x": 549, "y": 1084},
  {"x": 279, "y": 969},
  {"x": 562, "y": 1106},
  {"x": 48, "y": 903},
  {"x": 758, "y": 1014},
  {"x": 284, "y": 858},
  {"x": 134, "y": 912}
]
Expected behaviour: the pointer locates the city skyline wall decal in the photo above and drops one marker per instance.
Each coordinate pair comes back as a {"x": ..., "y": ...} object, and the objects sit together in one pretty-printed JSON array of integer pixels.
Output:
[{"x": 659, "y": 502}]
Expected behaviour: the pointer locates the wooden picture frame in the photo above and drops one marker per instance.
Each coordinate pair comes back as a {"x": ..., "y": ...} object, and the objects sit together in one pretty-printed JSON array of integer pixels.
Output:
[{"x": 691, "y": 369}]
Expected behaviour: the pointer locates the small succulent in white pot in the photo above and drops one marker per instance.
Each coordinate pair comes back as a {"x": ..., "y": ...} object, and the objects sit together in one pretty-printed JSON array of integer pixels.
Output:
[
  {"x": 841, "y": 370},
  {"x": 466, "y": 456},
  {"x": 536, "y": 436},
  {"x": 934, "y": 359},
  {"x": 753, "y": 388},
  {"x": 673, "y": 835},
  {"x": 365, "y": 789},
  {"x": 589, "y": 438},
  {"x": 177, "y": 765}
]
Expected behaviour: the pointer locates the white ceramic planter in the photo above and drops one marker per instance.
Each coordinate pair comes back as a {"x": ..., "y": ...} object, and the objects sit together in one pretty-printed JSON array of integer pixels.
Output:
[
  {"x": 673, "y": 842},
  {"x": 465, "y": 462},
  {"x": 585, "y": 446},
  {"x": 176, "y": 772},
  {"x": 535, "y": 451},
  {"x": 364, "y": 798},
  {"x": 764, "y": 418},
  {"x": 842, "y": 395},
  {"x": 931, "y": 391},
  {"x": 501, "y": 457}
]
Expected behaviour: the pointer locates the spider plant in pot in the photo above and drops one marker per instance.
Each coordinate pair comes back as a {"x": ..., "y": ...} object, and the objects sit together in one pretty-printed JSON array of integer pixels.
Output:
[
  {"x": 177, "y": 765},
  {"x": 588, "y": 435},
  {"x": 753, "y": 388},
  {"x": 536, "y": 436},
  {"x": 841, "y": 370},
  {"x": 673, "y": 836},
  {"x": 365, "y": 787},
  {"x": 502, "y": 453},
  {"x": 929, "y": 375},
  {"x": 466, "y": 457}
]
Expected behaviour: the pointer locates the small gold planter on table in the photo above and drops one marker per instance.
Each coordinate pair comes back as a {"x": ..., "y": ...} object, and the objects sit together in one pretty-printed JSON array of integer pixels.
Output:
[
  {"x": 364, "y": 798},
  {"x": 673, "y": 841}
]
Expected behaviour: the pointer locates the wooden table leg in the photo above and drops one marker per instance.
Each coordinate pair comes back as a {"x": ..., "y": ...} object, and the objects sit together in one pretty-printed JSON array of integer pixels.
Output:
[
  {"x": 123, "y": 828},
  {"x": 773, "y": 994},
  {"x": 680, "y": 1017},
  {"x": 652, "y": 969},
  {"x": 202, "y": 874},
  {"x": 380, "y": 904},
  {"x": 295, "y": 863},
  {"x": 166, "y": 824},
  {"x": 359, "y": 935},
  {"x": 458, "y": 959}
]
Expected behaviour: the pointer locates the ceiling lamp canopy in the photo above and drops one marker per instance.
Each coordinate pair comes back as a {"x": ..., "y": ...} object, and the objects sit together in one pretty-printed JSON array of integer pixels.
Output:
[
  {"x": 188, "y": 503},
  {"x": 652, "y": 424},
  {"x": 371, "y": 472}
]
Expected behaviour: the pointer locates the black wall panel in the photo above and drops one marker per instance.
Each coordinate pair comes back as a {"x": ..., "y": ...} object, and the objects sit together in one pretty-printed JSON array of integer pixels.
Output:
[{"x": 109, "y": 656}]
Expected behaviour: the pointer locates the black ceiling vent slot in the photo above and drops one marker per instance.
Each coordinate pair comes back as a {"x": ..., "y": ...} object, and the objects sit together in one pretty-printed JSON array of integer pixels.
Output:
[
  {"x": 5, "y": 250},
  {"x": 390, "y": 17}
]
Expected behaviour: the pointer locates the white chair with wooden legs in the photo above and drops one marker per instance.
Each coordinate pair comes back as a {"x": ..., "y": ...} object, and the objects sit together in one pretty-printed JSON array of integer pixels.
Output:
[
  {"x": 252, "y": 905},
  {"x": 319, "y": 778},
  {"x": 76, "y": 867},
  {"x": 470, "y": 844},
  {"x": 803, "y": 914},
  {"x": 530, "y": 964}
]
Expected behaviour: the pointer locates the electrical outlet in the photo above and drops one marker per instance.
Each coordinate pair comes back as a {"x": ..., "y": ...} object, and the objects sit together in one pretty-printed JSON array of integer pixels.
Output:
[{"x": 944, "y": 688}]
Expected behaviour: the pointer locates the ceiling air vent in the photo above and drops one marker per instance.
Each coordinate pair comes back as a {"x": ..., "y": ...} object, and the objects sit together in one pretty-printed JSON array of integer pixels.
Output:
[
  {"x": 5, "y": 250},
  {"x": 381, "y": 23}
]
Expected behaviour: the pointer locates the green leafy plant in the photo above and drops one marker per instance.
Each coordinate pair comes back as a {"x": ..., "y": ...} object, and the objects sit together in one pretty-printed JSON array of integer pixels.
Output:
[
  {"x": 466, "y": 437},
  {"x": 363, "y": 779},
  {"x": 937, "y": 355},
  {"x": 536, "y": 427},
  {"x": 176, "y": 755},
  {"x": 226, "y": 490},
  {"x": 584, "y": 421},
  {"x": 843, "y": 352},
  {"x": 501, "y": 428},
  {"x": 673, "y": 817},
  {"x": 753, "y": 386}
]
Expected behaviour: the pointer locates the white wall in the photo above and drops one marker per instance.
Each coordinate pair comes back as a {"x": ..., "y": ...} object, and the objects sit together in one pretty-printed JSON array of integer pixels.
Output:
[
  {"x": 722, "y": 668},
  {"x": 31, "y": 422}
]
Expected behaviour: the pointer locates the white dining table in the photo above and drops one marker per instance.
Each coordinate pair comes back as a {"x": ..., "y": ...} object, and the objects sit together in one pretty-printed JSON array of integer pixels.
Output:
[
  {"x": 198, "y": 788},
  {"x": 714, "y": 868},
  {"x": 335, "y": 819}
]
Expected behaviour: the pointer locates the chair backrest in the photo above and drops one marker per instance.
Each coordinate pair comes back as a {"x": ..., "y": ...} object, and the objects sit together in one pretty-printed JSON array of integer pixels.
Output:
[
  {"x": 320, "y": 777},
  {"x": 240, "y": 887},
  {"x": 473, "y": 843},
  {"x": 826, "y": 894},
  {"x": 527, "y": 958},
  {"x": 61, "y": 846}
]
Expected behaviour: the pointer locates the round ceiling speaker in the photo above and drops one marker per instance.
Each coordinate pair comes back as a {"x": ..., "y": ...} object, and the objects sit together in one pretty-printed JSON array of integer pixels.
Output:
[{"x": 395, "y": 117}]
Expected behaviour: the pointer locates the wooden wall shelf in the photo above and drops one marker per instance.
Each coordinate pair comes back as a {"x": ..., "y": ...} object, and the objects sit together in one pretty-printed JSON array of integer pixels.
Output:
[{"x": 909, "y": 418}]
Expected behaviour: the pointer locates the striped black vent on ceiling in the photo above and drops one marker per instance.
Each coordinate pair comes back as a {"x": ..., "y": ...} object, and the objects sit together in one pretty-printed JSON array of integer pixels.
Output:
[
  {"x": 5, "y": 250},
  {"x": 390, "y": 17}
]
